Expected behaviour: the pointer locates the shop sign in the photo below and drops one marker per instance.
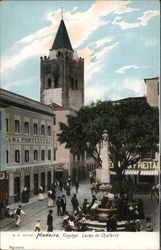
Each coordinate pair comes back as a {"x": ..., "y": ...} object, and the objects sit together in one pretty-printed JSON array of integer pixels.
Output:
[
  {"x": 142, "y": 165},
  {"x": 28, "y": 140},
  {"x": 145, "y": 165}
]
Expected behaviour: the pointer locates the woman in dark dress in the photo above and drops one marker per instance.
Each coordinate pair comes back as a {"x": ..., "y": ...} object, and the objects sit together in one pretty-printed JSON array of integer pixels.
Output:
[{"x": 50, "y": 221}]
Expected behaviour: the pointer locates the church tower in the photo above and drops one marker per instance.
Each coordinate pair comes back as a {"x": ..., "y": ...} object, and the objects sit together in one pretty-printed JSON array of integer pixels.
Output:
[{"x": 62, "y": 74}]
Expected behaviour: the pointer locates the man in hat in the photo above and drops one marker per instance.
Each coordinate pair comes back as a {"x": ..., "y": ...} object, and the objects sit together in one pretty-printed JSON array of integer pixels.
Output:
[
  {"x": 50, "y": 221},
  {"x": 18, "y": 213},
  {"x": 58, "y": 204},
  {"x": 75, "y": 202},
  {"x": 63, "y": 204}
]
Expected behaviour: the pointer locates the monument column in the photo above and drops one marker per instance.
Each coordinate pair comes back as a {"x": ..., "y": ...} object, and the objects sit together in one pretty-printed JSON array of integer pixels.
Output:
[
  {"x": 105, "y": 186},
  {"x": 105, "y": 171}
]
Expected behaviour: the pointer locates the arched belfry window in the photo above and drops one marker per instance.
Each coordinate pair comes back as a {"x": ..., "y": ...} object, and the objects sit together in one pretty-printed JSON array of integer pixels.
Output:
[{"x": 49, "y": 83}]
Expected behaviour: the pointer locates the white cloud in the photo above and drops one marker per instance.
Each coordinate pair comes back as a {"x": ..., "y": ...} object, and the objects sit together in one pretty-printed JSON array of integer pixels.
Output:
[
  {"x": 124, "y": 68},
  {"x": 115, "y": 90},
  {"x": 142, "y": 21},
  {"x": 94, "y": 59},
  {"x": 94, "y": 92},
  {"x": 122, "y": 8},
  {"x": 100, "y": 43},
  {"x": 39, "y": 42},
  {"x": 17, "y": 83},
  {"x": 136, "y": 85}
]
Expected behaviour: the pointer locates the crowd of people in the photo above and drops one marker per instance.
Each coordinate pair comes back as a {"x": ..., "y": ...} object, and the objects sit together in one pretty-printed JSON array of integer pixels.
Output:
[{"x": 126, "y": 208}]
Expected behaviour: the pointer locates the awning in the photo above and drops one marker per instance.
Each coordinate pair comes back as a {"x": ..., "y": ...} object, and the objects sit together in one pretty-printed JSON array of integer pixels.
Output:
[
  {"x": 131, "y": 172},
  {"x": 149, "y": 172}
]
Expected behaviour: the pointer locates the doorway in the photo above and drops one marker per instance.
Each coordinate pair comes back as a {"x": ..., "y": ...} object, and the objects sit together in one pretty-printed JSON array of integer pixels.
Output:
[
  {"x": 17, "y": 189},
  {"x": 49, "y": 180},
  {"x": 43, "y": 181},
  {"x": 36, "y": 184},
  {"x": 27, "y": 184}
]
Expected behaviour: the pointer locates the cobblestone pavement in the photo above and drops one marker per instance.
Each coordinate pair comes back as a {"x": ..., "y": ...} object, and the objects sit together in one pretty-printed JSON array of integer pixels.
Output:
[{"x": 39, "y": 210}]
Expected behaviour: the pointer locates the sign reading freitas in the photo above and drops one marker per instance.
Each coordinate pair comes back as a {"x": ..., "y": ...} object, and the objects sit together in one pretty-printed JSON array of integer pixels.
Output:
[
  {"x": 143, "y": 165},
  {"x": 31, "y": 140}
]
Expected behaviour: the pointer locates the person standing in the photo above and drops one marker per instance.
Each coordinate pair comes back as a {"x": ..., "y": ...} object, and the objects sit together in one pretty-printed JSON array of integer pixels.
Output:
[
  {"x": 111, "y": 224},
  {"x": 25, "y": 195},
  {"x": 18, "y": 213},
  {"x": 75, "y": 202},
  {"x": 93, "y": 210},
  {"x": 63, "y": 204},
  {"x": 93, "y": 187},
  {"x": 50, "y": 221},
  {"x": 41, "y": 197},
  {"x": 58, "y": 204},
  {"x": 50, "y": 199},
  {"x": 76, "y": 185},
  {"x": 37, "y": 225},
  {"x": 68, "y": 188},
  {"x": 69, "y": 180},
  {"x": 61, "y": 185}
]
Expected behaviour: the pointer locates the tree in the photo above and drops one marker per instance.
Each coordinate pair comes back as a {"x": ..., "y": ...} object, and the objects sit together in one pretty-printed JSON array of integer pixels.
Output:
[{"x": 132, "y": 126}]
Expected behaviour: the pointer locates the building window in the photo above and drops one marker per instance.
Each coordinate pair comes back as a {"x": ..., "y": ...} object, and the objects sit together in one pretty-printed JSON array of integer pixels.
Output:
[
  {"x": 26, "y": 127},
  {"x": 54, "y": 154},
  {"x": 17, "y": 126},
  {"x": 49, "y": 131},
  {"x": 26, "y": 155},
  {"x": 6, "y": 156},
  {"x": 72, "y": 83},
  {"x": 35, "y": 128},
  {"x": 54, "y": 120},
  {"x": 35, "y": 155},
  {"x": 49, "y": 83},
  {"x": 42, "y": 129},
  {"x": 6, "y": 124},
  {"x": 42, "y": 155},
  {"x": 76, "y": 84},
  {"x": 49, "y": 154},
  {"x": 17, "y": 156}
]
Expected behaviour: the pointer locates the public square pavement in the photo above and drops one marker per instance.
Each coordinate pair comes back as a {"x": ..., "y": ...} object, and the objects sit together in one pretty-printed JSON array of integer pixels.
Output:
[{"x": 36, "y": 209}]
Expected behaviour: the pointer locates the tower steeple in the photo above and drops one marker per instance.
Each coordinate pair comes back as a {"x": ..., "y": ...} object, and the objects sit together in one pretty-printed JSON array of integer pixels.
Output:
[
  {"x": 62, "y": 73},
  {"x": 62, "y": 39}
]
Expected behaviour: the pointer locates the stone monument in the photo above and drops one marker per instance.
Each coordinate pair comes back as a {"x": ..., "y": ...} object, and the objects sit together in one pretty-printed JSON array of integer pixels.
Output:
[{"x": 105, "y": 186}]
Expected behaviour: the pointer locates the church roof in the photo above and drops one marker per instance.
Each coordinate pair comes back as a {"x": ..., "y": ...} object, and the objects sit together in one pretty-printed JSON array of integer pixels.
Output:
[{"x": 62, "y": 39}]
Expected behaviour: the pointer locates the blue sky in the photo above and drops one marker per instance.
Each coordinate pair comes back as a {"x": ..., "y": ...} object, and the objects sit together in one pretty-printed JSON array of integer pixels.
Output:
[{"x": 119, "y": 41}]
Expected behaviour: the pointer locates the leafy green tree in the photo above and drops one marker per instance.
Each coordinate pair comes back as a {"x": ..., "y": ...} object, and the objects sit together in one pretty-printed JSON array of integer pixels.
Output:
[{"x": 132, "y": 126}]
